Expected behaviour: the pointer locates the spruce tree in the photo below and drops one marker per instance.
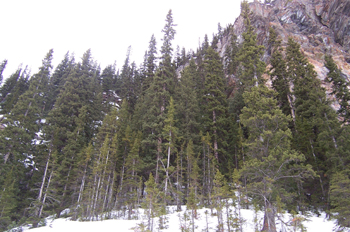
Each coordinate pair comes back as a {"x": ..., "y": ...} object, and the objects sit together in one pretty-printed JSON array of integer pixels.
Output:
[
  {"x": 8, "y": 197},
  {"x": 188, "y": 109},
  {"x": 215, "y": 103},
  {"x": 157, "y": 97},
  {"x": 13, "y": 87},
  {"x": 316, "y": 124},
  {"x": 339, "y": 87},
  {"x": 278, "y": 73},
  {"x": 58, "y": 79},
  {"x": 270, "y": 160},
  {"x": 170, "y": 135},
  {"x": 72, "y": 124},
  {"x": 151, "y": 203},
  {"x": 251, "y": 66},
  {"x": 340, "y": 195},
  {"x": 150, "y": 64},
  {"x": 2, "y": 68}
]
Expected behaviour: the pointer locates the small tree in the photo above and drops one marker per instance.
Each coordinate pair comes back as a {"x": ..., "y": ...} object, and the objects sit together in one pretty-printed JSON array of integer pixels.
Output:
[{"x": 151, "y": 203}]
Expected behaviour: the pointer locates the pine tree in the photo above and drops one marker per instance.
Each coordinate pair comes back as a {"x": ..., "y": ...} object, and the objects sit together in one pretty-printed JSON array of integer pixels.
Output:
[
  {"x": 270, "y": 160},
  {"x": 13, "y": 87},
  {"x": 278, "y": 73},
  {"x": 156, "y": 99},
  {"x": 170, "y": 135},
  {"x": 214, "y": 98},
  {"x": 340, "y": 195},
  {"x": 58, "y": 79},
  {"x": 231, "y": 63},
  {"x": 72, "y": 124},
  {"x": 132, "y": 181},
  {"x": 251, "y": 66},
  {"x": 316, "y": 124},
  {"x": 151, "y": 203},
  {"x": 2, "y": 68},
  {"x": 7, "y": 198},
  {"x": 340, "y": 88},
  {"x": 150, "y": 64},
  {"x": 188, "y": 109},
  {"x": 19, "y": 145}
]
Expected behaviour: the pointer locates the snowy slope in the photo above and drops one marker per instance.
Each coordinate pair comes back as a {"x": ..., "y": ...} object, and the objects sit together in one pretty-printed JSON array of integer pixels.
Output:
[{"x": 176, "y": 221}]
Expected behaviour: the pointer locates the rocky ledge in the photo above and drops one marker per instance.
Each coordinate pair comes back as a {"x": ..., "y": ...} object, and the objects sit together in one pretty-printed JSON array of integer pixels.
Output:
[{"x": 320, "y": 26}]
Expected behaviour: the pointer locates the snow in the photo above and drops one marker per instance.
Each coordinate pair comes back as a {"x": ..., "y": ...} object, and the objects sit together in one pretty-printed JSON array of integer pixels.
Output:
[{"x": 176, "y": 221}]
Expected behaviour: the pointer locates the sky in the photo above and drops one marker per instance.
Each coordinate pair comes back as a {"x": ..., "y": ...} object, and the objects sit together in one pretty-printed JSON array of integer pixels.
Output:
[{"x": 31, "y": 28}]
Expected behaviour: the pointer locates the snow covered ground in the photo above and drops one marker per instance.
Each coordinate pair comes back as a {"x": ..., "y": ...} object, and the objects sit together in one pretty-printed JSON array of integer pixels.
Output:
[{"x": 176, "y": 221}]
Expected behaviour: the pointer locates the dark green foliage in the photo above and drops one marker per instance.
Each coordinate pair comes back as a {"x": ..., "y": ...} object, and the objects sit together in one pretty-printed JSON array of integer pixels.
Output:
[
  {"x": 340, "y": 88},
  {"x": 270, "y": 160},
  {"x": 188, "y": 103},
  {"x": 108, "y": 78},
  {"x": 215, "y": 103},
  {"x": 203, "y": 132},
  {"x": 13, "y": 87},
  {"x": 149, "y": 64},
  {"x": 230, "y": 58},
  {"x": 278, "y": 73},
  {"x": 58, "y": 80},
  {"x": 72, "y": 124},
  {"x": 2, "y": 68},
  {"x": 251, "y": 66},
  {"x": 316, "y": 124},
  {"x": 340, "y": 198},
  {"x": 7, "y": 198}
]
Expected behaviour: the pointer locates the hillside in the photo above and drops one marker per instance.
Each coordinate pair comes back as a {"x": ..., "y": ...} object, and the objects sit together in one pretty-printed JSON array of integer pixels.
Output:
[
  {"x": 249, "y": 122},
  {"x": 320, "y": 27}
]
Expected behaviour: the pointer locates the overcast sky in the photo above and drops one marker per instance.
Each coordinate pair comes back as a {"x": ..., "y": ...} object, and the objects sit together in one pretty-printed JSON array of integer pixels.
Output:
[{"x": 29, "y": 28}]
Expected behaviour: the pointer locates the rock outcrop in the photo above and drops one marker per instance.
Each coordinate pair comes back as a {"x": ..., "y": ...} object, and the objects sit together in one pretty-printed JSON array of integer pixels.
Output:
[{"x": 319, "y": 26}]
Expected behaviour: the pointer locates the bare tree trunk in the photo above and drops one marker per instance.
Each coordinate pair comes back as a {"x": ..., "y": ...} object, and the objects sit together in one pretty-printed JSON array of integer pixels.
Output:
[
  {"x": 159, "y": 150},
  {"x": 167, "y": 166},
  {"x": 269, "y": 218},
  {"x": 318, "y": 170},
  {"x": 44, "y": 177},
  {"x": 215, "y": 137},
  {"x": 44, "y": 199}
]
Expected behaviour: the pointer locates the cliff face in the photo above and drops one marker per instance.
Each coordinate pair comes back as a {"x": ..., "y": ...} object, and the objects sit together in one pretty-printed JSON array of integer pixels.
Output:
[{"x": 319, "y": 26}]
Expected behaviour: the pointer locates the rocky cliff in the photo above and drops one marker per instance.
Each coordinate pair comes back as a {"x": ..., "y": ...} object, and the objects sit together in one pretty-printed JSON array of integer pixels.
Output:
[{"x": 320, "y": 26}]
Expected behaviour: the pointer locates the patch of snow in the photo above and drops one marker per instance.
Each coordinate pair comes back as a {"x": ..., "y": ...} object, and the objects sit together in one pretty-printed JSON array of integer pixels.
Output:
[{"x": 176, "y": 221}]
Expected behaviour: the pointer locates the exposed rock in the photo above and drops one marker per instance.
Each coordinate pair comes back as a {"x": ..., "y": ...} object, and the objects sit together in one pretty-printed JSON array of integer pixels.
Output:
[{"x": 319, "y": 26}]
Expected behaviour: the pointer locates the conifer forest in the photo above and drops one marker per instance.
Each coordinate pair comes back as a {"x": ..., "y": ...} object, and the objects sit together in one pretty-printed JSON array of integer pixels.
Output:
[{"x": 192, "y": 128}]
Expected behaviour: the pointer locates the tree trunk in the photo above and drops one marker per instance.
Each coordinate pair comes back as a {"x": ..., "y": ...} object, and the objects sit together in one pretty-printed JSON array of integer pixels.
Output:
[{"x": 269, "y": 218}]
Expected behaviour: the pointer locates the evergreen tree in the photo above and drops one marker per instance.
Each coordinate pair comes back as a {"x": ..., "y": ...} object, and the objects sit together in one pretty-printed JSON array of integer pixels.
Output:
[
  {"x": 170, "y": 135},
  {"x": 166, "y": 67},
  {"x": 156, "y": 99},
  {"x": 230, "y": 57},
  {"x": 2, "y": 68},
  {"x": 251, "y": 66},
  {"x": 13, "y": 87},
  {"x": 7, "y": 199},
  {"x": 221, "y": 194},
  {"x": 316, "y": 124},
  {"x": 150, "y": 64},
  {"x": 151, "y": 203},
  {"x": 340, "y": 195},
  {"x": 58, "y": 79},
  {"x": 214, "y": 98},
  {"x": 72, "y": 124},
  {"x": 270, "y": 160},
  {"x": 188, "y": 103},
  {"x": 340, "y": 88},
  {"x": 278, "y": 73}
]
